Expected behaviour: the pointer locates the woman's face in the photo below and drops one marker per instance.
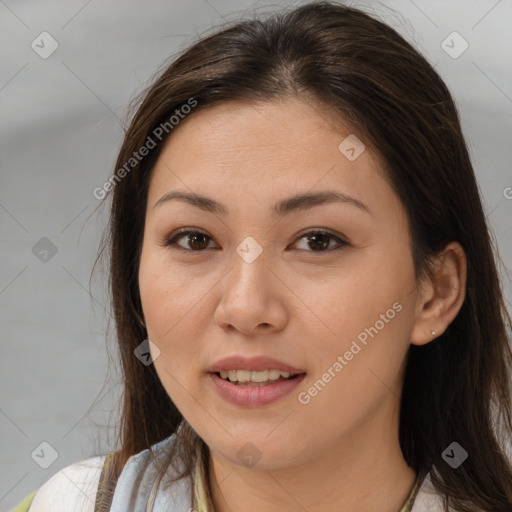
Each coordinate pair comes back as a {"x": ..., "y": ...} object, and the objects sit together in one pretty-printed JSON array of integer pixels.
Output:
[{"x": 254, "y": 280}]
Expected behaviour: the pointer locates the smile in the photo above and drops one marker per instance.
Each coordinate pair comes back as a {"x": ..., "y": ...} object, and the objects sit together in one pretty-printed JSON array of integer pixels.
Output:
[
  {"x": 261, "y": 391},
  {"x": 259, "y": 378}
]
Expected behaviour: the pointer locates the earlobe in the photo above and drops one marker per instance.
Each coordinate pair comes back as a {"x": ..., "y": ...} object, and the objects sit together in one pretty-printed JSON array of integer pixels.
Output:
[{"x": 442, "y": 296}]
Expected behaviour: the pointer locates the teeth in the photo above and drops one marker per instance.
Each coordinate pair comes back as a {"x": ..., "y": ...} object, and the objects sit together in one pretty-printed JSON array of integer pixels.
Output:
[
  {"x": 240, "y": 376},
  {"x": 248, "y": 376},
  {"x": 274, "y": 374}
]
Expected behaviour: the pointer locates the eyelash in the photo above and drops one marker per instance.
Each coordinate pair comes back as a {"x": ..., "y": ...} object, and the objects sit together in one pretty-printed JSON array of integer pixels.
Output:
[{"x": 177, "y": 235}]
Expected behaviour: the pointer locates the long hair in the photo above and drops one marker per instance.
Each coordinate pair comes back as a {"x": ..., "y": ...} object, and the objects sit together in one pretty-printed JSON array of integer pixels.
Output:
[{"x": 456, "y": 388}]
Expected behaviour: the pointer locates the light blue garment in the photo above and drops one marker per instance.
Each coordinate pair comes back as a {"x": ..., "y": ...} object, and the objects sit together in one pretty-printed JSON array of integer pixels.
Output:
[{"x": 136, "y": 488}]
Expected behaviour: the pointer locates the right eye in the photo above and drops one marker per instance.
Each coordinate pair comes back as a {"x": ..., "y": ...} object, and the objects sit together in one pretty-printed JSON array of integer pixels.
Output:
[{"x": 195, "y": 239}]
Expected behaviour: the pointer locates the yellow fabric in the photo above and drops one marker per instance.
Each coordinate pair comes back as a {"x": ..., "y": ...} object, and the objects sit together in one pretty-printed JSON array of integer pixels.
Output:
[
  {"x": 410, "y": 499},
  {"x": 25, "y": 504},
  {"x": 200, "y": 503}
]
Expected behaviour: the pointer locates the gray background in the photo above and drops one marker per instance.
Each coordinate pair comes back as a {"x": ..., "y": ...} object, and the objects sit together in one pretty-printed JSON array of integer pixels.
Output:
[{"x": 60, "y": 130}]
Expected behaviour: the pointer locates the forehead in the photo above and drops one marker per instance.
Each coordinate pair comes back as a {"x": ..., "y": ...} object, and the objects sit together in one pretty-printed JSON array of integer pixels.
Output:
[
  {"x": 279, "y": 128},
  {"x": 266, "y": 151}
]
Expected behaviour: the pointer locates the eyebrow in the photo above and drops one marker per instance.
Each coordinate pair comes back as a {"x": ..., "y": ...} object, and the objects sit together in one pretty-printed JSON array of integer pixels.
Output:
[{"x": 297, "y": 202}]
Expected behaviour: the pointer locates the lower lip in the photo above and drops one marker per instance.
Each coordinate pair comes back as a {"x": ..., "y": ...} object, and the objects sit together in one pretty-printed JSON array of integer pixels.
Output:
[{"x": 254, "y": 396}]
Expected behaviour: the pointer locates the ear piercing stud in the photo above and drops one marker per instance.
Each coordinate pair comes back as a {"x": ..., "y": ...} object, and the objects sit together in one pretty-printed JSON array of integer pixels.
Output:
[{"x": 433, "y": 333}]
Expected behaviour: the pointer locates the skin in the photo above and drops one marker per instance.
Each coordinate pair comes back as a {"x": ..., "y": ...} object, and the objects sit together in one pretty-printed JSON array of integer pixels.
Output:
[{"x": 340, "y": 452}]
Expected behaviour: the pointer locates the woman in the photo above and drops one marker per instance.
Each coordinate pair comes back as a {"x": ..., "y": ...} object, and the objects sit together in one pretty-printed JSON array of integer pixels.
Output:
[{"x": 265, "y": 370}]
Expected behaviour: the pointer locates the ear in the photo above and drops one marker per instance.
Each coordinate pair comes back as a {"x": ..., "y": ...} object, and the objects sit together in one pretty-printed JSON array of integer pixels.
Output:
[{"x": 441, "y": 297}]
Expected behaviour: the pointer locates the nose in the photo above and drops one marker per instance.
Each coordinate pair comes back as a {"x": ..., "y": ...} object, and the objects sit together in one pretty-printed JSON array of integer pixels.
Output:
[{"x": 253, "y": 298}]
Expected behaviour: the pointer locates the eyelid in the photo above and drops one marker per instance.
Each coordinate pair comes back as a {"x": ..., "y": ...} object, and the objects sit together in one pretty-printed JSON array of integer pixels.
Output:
[
  {"x": 323, "y": 231},
  {"x": 171, "y": 240},
  {"x": 340, "y": 239}
]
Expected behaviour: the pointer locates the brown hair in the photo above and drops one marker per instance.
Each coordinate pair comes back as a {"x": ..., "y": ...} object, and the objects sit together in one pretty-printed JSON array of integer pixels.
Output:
[{"x": 456, "y": 388}]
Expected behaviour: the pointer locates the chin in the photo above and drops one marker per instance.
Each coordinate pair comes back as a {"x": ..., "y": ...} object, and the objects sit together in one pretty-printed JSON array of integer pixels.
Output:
[{"x": 259, "y": 452}]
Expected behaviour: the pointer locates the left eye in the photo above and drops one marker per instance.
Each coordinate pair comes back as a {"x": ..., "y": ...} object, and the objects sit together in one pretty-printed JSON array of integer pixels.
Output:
[
  {"x": 198, "y": 240},
  {"x": 320, "y": 240}
]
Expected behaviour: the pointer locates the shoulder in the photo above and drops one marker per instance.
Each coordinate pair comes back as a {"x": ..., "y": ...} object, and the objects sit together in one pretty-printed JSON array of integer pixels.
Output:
[
  {"x": 429, "y": 499},
  {"x": 75, "y": 487},
  {"x": 72, "y": 488}
]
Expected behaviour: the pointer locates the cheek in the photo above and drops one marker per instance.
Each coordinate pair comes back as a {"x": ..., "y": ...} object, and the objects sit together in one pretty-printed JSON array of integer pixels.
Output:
[
  {"x": 363, "y": 315},
  {"x": 366, "y": 324},
  {"x": 355, "y": 295},
  {"x": 172, "y": 306},
  {"x": 169, "y": 294}
]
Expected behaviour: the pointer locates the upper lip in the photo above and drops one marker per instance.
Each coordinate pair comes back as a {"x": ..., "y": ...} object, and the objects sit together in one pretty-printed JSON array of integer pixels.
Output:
[{"x": 254, "y": 364}]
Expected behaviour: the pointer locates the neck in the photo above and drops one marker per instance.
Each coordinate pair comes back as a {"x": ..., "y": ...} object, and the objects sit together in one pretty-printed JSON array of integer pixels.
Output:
[{"x": 363, "y": 472}]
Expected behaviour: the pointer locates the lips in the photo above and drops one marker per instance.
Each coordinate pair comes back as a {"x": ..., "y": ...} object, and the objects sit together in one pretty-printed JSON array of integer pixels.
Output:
[
  {"x": 255, "y": 364},
  {"x": 254, "y": 396}
]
